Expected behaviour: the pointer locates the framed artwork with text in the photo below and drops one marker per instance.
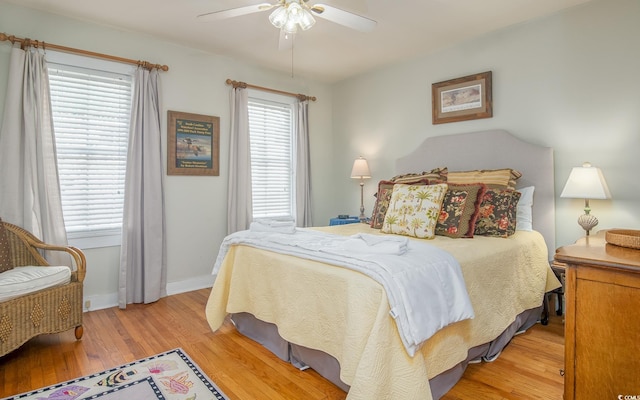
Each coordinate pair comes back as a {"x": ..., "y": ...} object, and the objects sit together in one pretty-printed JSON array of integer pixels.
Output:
[{"x": 193, "y": 144}]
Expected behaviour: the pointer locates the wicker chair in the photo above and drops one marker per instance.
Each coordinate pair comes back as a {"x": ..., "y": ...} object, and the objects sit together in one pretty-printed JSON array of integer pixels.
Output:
[{"x": 50, "y": 310}]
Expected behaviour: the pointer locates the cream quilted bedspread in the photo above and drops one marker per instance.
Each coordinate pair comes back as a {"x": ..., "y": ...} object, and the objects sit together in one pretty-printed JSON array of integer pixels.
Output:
[{"x": 346, "y": 314}]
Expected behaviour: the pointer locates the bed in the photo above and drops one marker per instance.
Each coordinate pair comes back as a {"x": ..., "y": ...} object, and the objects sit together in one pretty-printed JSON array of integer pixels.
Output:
[{"x": 337, "y": 321}]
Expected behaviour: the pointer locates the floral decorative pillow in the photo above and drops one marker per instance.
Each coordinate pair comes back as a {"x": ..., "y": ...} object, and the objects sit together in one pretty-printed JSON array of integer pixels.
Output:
[
  {"x": 385, "y": 188},
  {"x": 460, "y": 210},
  {"x": 497, "y": 213},
  {"x": 436, "y": 175},
  {"x": 414, "y": 210}
]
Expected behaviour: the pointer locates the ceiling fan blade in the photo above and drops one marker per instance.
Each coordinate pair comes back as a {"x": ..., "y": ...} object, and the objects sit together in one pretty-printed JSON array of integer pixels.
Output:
[
  {"x": 234, "y": 12},
  {"x": 342, "y": 17},
  {"x": 286, "y": 40}
]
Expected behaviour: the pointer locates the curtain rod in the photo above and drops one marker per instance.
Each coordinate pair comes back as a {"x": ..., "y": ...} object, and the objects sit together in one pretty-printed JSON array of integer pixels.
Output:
[
  {"x": 36, "y": 43},
  {"x": 245, "y": 85}
]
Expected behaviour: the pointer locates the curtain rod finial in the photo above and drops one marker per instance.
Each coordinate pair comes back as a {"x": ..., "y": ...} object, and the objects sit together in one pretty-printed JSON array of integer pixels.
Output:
[{"x": 236, "y": 84}]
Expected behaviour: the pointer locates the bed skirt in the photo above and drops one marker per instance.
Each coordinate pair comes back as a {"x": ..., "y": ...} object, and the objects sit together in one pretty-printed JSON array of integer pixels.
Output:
[{"x": 324, "y": 364}]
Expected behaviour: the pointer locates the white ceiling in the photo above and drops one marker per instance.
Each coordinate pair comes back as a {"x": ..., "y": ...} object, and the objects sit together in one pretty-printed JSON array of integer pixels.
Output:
[{"x": 327, "y": 52}]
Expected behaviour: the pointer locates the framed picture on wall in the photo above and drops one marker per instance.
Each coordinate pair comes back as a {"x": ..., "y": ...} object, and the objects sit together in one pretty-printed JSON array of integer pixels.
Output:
[
  {"x": 462, "y": 99},
  {"x": 193, "y": 144}
]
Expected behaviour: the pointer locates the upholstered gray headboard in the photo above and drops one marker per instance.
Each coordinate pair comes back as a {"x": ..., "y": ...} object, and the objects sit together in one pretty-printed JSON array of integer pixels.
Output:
[{"x": 494, "y": 149}]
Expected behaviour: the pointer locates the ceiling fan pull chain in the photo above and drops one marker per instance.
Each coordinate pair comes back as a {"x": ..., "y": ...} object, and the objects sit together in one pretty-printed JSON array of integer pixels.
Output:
[{"x": 293, "y": 42}]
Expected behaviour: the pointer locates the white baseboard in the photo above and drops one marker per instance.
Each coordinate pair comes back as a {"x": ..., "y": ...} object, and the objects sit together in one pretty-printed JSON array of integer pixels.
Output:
[
  {"x": 191, "y": 284},
  {"x": 99, "y": 302}
]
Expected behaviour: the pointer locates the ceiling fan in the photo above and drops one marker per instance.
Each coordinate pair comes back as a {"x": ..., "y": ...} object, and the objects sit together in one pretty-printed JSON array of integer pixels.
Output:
[{"x": 289, "y": 15}]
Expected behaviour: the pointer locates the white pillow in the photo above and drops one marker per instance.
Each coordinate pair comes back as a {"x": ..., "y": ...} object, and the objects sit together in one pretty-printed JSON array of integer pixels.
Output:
[{"x": 524, "y": 216}]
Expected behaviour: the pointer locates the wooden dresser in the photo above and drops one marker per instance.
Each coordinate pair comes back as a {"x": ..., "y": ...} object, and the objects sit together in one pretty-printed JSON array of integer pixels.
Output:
[{"x": 602, "y": 321}]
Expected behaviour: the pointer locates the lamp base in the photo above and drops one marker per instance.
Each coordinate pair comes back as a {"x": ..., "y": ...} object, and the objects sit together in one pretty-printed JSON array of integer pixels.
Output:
[
  {"x": 587, "y": 222},
  {"x": 362, "y": 217}
]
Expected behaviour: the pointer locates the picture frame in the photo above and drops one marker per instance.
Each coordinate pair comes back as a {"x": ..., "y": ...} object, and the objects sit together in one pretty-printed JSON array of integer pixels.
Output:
[
  {"x": 462, "y": 99},
  {"x": 193, "y": 144}
]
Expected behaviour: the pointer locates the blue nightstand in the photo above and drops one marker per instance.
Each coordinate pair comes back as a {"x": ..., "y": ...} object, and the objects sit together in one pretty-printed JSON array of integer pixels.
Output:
[{"x": 344, "y": 221}]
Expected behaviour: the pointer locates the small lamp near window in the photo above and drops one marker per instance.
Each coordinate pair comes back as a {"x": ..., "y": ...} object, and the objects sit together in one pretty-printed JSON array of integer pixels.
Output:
[
  {"x": 361, "y": 171},
  {"x": 586, "y": 183}
]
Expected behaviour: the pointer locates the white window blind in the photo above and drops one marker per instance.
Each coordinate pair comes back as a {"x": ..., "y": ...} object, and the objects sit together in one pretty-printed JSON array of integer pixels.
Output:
[
  {"x": 91, "y": 113},
  {"x": 271, "y": 138}
]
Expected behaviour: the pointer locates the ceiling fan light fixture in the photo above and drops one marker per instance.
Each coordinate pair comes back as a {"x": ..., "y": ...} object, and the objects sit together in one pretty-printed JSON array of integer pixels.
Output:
[
  {"x": 289, "y": 15},
  {"x": 290, "y": 27},
  {"x": 279, "y": 17},
  {"x": 306, "y": 20},
  {"x": 295, "y": 12}
]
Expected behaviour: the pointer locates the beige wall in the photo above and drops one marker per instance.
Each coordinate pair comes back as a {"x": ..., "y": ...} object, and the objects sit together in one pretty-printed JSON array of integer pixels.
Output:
[
  {"x": 568, "y": 81},
  {"x": 195, "y": 82}
]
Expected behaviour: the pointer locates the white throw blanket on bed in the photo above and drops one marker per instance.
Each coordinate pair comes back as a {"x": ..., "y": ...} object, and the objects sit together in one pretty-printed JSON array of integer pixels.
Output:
[{"x": 424, "y": 284}]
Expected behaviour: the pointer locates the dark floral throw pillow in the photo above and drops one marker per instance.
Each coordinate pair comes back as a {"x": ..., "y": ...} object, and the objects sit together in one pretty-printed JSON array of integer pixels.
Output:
[
  {"x": 382, "y": 204},
  {"x": 460, "y": 210},
  {"x": 497, "y": 213}
]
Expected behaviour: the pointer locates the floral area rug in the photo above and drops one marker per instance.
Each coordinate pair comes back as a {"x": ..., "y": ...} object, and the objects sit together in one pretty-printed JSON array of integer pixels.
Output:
[{"x": 171, "y": 375}]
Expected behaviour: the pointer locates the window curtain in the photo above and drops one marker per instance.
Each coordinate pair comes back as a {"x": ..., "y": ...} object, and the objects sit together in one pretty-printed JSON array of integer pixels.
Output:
[
  {"x": 303, "y": 166},
  {"x": 28, "y": 166},
  {"x": 239, "y": 205},
  {"x": 143, "y": 260}
]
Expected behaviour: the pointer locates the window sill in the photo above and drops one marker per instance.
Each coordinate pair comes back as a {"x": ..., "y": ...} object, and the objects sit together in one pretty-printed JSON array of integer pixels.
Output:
[{"x": 93, "y": 240}]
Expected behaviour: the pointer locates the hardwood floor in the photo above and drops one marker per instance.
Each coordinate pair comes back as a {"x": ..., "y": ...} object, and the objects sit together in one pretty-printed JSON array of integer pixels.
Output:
[{"x": 527, "y": 369}]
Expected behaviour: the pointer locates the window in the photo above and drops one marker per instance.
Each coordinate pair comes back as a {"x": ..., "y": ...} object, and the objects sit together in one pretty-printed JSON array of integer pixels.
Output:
[
  {"x": 91, "y": 111},
  {"x": 271, "y": 122}
]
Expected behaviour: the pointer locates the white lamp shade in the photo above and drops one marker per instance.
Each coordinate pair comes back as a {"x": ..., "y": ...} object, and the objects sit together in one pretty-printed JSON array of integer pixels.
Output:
[
  {"x": 586, "y": 182},
  {"x": 360, "y": 169}
]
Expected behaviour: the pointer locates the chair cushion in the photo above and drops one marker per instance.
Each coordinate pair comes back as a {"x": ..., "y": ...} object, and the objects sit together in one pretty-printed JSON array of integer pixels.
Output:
[
  {"x": 6, "y": 262},
  {"x": 20, "y": 281}
]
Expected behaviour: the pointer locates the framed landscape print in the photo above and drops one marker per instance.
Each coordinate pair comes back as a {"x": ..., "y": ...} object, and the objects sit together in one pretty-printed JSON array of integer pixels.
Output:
[
  {"x": 462, "y": 99},
  {"x": 193, "y": 144}
]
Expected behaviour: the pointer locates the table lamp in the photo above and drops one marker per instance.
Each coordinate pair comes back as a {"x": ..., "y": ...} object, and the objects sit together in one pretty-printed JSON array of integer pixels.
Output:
[
  {"x": 361, "y": 171},
  {"x": 586, "y": 183}
]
